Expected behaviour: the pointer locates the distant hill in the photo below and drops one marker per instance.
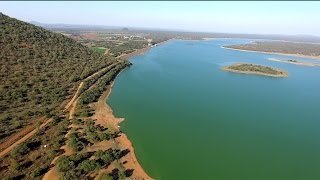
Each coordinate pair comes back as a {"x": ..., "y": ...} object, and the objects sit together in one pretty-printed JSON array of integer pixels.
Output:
[
  {"x": 37, "y": 70},
  {"x": 182, "y": 34},
  {"x": 74, "y": 26}
]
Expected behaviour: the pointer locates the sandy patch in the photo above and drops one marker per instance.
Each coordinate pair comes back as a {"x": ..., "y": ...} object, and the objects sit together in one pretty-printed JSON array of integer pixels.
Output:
[{"x": 283, "y": 54}]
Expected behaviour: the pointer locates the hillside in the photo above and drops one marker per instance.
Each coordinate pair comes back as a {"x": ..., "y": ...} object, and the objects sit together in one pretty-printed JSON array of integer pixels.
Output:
[
  {"x": 39, "y": 70},
  {"x": 49, "y": 85}
]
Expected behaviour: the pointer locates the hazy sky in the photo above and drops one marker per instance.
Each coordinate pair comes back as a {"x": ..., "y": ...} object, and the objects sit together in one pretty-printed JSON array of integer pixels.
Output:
[{"x": 231, "y": 17}]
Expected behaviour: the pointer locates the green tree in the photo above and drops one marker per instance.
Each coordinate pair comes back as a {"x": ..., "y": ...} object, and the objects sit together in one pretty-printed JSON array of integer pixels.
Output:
[
  {"x": 88, "y": 165},
  {"x": 64, "y": 164},
  {"x": 21, "y": 149}
]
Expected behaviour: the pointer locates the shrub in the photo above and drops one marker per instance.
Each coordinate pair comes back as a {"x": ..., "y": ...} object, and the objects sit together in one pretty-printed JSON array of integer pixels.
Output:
[
  {"x": 77, "y": 121},
  {"x": 38, "y": 172},
  {"x": 21, "y": 149},
  {"x": 88, "y": 165},
  {"x": 104, "y": 136},
  {"x": 64, "y": 164},
  {"x": 106, "y": 156},
  {"x": 14, "y": 165},
  {"x": 75, "y": 143},
  {"x": 70, "y": 175},
  {"x": 78, "y": 157}
]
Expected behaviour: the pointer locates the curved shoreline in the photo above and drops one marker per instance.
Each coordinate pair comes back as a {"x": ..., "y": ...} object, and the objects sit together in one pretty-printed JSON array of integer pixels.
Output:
[
  {"x": 104, "y": 115},
  {"x": 283, "y": 54}
]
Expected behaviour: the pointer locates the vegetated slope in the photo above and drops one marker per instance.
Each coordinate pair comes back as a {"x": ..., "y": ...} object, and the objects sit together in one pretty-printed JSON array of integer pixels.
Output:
[
  {"x": 37, "y": 70},
  {"x": 281, "y": 47}
]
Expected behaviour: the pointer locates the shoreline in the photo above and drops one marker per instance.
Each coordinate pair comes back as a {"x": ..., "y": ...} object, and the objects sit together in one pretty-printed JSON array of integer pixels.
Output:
[
  {"x": 105, "y": 117},
  {"x": 283, "y": 54}
]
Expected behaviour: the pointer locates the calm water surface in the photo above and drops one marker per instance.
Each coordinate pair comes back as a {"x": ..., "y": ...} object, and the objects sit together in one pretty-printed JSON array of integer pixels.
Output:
[{"x": 187, "y": 119}]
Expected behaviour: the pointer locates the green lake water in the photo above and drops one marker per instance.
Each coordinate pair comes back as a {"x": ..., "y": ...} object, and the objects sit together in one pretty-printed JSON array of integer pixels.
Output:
[{"x": 188, "y": 119}]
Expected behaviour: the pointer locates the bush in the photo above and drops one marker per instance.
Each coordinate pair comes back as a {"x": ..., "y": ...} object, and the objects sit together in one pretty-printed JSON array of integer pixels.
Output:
[
  {"x": 77, "y": 121},
  {"x": 88, "y": 165},
  {"x": 14, "y": 165},
  {"x": 75, "y": 143},
  {"x": 77, "y": 158},
  {"x": 56, "y": 119},
  {"x": 70, "y": 175},
  {"x": 104, "y": 136},
  {"x": 64, "y": 164},
  {"x": 106, "y": 156},
  {"x": 21, "y": 149},
  {"x": 38, "y": 172},
  {"x": 57, "y": 142},
  {"x": 92, "y": 136}
]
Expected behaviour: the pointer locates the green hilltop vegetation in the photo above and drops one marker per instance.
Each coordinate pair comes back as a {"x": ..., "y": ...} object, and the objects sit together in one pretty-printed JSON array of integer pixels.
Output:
[{"x": 39, "y": 70}]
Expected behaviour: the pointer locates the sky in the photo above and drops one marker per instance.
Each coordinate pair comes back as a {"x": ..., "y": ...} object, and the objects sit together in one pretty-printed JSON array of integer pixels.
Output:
[{"x": 292, "y": 18}]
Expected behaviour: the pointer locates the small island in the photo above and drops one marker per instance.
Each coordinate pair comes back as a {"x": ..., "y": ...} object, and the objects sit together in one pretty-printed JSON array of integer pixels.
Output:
[{"x": 255, "y": 69}]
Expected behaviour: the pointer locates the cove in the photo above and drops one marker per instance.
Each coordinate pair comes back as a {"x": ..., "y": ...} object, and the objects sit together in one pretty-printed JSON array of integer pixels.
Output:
[{"x": 188, "y": 119}]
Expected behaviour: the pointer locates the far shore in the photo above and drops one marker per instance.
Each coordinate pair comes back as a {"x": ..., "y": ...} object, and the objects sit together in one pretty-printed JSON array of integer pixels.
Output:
[
  {"x": 283, "y": 54},
  {"x": 141, "y": 51}
]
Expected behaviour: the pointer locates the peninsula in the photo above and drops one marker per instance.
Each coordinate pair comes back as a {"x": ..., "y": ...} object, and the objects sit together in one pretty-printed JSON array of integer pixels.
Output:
[
  {"x": 296, "y": 62},
  {"x": 305, "y": 50}
]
